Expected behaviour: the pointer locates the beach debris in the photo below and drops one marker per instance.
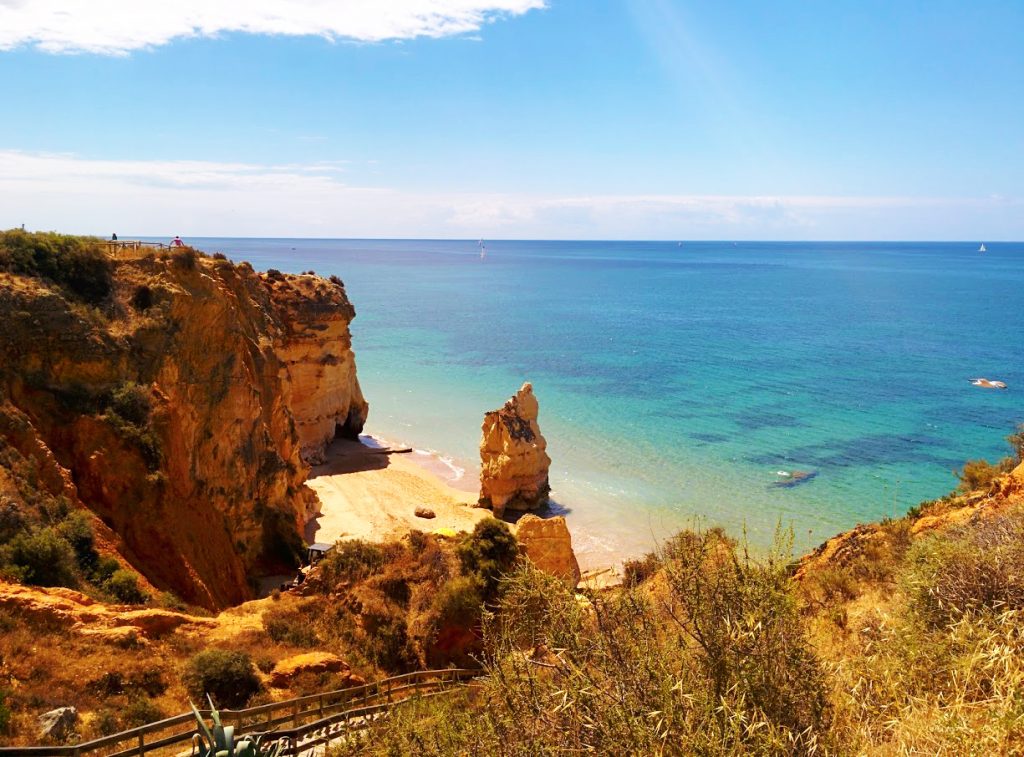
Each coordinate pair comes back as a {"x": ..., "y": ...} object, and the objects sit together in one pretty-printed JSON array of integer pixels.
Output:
[
  {"x": 793, "y": 478},
  {"x": 985, "y": 383},
  {"x": 445, "y": 531},
  {"x": 425, "y": 512}
]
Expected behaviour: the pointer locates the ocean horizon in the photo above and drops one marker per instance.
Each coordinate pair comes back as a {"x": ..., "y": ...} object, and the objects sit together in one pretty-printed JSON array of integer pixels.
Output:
[{"x": 679, "y": 381}]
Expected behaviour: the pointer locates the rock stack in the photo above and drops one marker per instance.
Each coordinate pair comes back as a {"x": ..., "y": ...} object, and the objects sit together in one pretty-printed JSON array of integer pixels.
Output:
[{"x": 513, "y": 458}]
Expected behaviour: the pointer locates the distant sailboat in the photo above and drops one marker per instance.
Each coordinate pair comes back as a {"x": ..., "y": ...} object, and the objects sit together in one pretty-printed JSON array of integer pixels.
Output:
[
  {"x": 483, "y": 249},
  {"x": 982, "y": 248}
]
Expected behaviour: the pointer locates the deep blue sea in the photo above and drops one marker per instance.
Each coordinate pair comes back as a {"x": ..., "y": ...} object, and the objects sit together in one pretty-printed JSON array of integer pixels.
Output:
[{"x": 677, "y": 381}]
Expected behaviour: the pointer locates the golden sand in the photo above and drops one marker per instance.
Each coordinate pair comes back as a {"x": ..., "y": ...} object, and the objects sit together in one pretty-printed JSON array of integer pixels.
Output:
[{"x": 369, "y": 494}]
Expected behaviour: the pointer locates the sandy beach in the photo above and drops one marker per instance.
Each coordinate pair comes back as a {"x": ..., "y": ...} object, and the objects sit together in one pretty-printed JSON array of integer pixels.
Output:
[{"x": 372, "y": 494}]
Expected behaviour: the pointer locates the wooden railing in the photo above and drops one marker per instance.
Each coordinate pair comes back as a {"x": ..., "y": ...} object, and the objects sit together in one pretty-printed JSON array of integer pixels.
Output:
[
  {"x": 133, "y": 244},
  {"x": 328, "y": 714}
]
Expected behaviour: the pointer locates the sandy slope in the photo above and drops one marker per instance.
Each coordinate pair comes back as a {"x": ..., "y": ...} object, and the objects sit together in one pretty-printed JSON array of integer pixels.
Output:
[{"x": 369, "y": 495}]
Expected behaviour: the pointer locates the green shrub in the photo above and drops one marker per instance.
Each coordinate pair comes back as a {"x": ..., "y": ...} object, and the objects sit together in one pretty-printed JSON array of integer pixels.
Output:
[
  {"x": 488, "y": 553},
  {"x": 1016, "y": 441},
  {"x": 170, "y": 601},
  {"x": 141, "y": 711},
  {"x": 459, "y": 602},
  {"x": 387, "y": 641},
  {"x": 143, "y": 299},
  {"x": 968, "y": 571},
  {"x": 750, "y": 642},
  {"x": 105, "y": 722},
  {"x": 185, "y": 258},
  {"x": 290, "y": 626},
  {"x": 635, "y": 572},
  {"x": 106, "y": 566},
  {"x": 229, "y": 677},
  {"x": 713, "y": 661},
  {"x": 979, "y": 474},
  {"x": 5, "y": 713},
  {"x": 132, "y": 403},
  {"x": 79, "y": 265},
  {"x": 353, "y": 560},
  {"x": 42, "y": 558},
  {"x": 129, "y": 411},
  {"x": 124, "y": 586},
  {"x": 77, "y": 530},
  {"x": 12, "y": 520}
]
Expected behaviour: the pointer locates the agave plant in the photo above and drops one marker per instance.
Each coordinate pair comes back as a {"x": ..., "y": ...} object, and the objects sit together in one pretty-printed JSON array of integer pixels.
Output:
[{"x": 220, "y": 742}]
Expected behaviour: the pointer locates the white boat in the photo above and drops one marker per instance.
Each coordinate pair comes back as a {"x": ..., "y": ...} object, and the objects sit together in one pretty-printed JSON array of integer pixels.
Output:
[
  {"x": 483, "y": 250},
  {"x": 982, "y": 248},
  {"x": 985, "y": 383}
]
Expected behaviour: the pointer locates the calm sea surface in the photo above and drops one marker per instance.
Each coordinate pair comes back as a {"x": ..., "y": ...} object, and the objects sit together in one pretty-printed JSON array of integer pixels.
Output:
[{"x": 675, "y": 382}]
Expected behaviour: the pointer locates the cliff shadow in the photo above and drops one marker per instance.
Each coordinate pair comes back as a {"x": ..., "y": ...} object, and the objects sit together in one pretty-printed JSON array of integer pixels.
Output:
[
  {"x": 350, "y": 456},
  {"x": 550, "y": 510}
]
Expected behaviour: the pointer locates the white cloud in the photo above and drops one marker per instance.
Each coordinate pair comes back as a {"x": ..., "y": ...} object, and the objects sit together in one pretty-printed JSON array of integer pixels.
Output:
[
  {"x": 117, "y": 27},
  {"x": 208, "y": 198}
]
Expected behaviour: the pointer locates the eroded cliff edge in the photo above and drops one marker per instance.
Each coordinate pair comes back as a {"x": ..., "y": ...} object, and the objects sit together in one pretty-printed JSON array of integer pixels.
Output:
[{"x": 180, "y": 408}]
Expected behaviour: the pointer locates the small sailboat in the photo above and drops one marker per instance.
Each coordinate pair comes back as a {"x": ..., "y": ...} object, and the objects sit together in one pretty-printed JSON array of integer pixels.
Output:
[
  {"x": 982, "y": 248},
  {"x": 483, "y": 249}
]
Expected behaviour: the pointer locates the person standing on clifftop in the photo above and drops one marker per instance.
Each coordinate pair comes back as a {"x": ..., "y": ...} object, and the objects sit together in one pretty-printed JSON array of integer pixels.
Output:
[
  {"x": 113, "y": 237},
  {"x": 176, "y": 242}
]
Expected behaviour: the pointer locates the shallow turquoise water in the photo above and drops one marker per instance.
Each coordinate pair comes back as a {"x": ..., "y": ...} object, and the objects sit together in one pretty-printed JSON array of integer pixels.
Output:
[{"x": 675, "y": 382}]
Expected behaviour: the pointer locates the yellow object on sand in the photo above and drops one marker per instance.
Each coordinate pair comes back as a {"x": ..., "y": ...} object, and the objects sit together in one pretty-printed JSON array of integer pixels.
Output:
[{"x": 444, "y": 531}]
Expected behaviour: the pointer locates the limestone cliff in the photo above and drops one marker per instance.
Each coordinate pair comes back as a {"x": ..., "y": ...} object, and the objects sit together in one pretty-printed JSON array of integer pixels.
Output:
[
  {"x": 178, "y": 409},
  {"x": 513, "y": 458},
  {"x": 318, "y": 370},
  {"x": 548, "y": 544}
]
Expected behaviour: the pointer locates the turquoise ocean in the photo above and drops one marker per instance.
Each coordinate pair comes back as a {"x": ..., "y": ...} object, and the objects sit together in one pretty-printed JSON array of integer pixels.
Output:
[{"x": 677, "y": 380}]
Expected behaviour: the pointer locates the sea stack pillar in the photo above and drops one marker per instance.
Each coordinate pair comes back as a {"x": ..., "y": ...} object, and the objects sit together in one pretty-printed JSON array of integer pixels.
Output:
[{"x": 513, "y": 458}]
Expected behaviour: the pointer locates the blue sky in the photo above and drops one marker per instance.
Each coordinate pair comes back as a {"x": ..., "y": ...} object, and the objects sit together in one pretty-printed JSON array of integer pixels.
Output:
[{"x": 579, "y": 119}]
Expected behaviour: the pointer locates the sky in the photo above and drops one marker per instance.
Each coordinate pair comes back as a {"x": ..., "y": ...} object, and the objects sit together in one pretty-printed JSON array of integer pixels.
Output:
[{"x": 525, "y": 119}]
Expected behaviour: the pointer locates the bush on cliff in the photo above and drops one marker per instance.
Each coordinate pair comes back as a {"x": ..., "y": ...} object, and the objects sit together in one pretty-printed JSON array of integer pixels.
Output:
[
  {"x": 77, "y": 530},
  {"x": 489, "y": 553},
  {"x": 979, "y": 474},
  {"x": 230, "y": 678},
  {"x": 41, "y": 557},
  {"x": 79, "y": 265},
  {"x": 129, "y": 411},
  {"x": 968, "y": 572},
  {"x": 712, "y": 660},
  {"x": 185, "y": 258},
  {"x": 123, "y": 585},
  {"x": 353, "y": 560}
]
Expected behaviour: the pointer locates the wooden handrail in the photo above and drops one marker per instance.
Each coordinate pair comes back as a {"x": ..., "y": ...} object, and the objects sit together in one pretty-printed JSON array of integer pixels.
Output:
[
  {"x": 295, "y": 712},
  {"x": 134, "y": 244}
]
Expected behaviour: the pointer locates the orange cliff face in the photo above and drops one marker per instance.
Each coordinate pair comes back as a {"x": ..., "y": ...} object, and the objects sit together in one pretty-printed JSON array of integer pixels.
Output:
[
  {"x": 513, "y": 456},
  {"x": 318, "y": 369},
  {"x": 179, "y": 412}
]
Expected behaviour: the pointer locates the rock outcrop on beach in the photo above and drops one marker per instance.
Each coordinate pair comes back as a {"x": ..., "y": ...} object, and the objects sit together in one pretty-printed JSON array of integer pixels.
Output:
[
  {"x": 513, "y": 458},
  {"x": 176, "y": 404},
  {"x": 548, "y": 544}
]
